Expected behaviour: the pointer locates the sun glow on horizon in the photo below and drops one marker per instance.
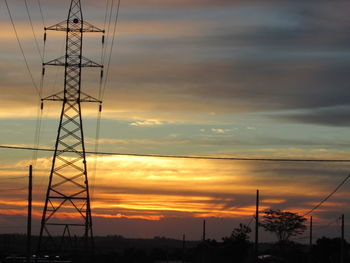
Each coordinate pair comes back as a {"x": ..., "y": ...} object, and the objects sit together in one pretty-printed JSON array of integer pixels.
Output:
[{"x": 151, "y": 188}]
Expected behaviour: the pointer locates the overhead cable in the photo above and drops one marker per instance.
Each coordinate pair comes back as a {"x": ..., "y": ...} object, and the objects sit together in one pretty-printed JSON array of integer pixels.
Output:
[
  {"x": 111, "y": 50},
  {"x": 251, "y": 221},
  {"x": 108, "y": 14},
  {"x": 94, "y": 169},
  {"x": 186, "y": 156},
  {"x": 22, "y": 50},
  {"x": 41, "y": 13},
  {"x": 13, "y": 178},
  {"x": 33, "y": 31},
  {"x": 328, "y": 196}
]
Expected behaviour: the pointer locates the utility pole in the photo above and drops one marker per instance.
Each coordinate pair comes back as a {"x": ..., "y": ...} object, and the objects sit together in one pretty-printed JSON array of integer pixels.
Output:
[
  {"x": 204, "y": 231},
  {"x": 310, "y": 242},
  {"x": 342, "y": 247},
  {"x": 256, "y": 252},
  {"x": 29, "y": 215},
  {"x": 311, "y": 231},
  {"x": 68, "y": 189},
  {"x": 183, "y": 248}
]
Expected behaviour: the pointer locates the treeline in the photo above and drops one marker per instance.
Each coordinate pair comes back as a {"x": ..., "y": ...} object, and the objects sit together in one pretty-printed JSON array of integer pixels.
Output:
[{"x": 235, "y": 248}]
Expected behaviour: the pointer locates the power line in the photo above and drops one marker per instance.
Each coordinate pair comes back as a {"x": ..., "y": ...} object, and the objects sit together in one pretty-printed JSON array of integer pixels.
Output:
[
  {"x": 21, "y": 48},
  {"x": 21, "y": 226},
  {"x": 186, "y": 156},
  {"x": 94, "y": 170},
  {"x": 33, "y": 31},
  {"x": 111, "y": 49},
  {"x": 326, "y": 225},
  {"x": 41, "y": 13},
  {"x": 330, "y": 225},
  {"x": 328, "y": 196},
  {"x": 300, "y": 238},
  {"x": 13, "y": 178},
  {"x": 108, "y": 16},
  {"x": 16, "y": 189},
  {"x": 106, "y": 12},
  {"x": 251, "y": 221}
]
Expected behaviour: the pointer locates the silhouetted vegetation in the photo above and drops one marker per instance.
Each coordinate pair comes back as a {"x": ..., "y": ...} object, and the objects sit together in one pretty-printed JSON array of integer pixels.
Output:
[
  {"x": 234, "y": 248},
  {"x": 283, "y": 224},
  {"x": 329, "y": 250}
]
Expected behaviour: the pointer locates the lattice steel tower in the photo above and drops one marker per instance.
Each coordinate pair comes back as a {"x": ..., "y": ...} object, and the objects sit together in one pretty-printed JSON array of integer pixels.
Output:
[{"x": 67, "y": 209}]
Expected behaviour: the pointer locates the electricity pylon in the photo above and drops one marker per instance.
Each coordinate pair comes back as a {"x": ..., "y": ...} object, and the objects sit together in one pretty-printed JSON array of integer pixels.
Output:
[{"x": 67, "y": 211}]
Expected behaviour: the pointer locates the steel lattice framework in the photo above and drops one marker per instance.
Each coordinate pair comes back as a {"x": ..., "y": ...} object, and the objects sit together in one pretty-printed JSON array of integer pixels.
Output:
[{"x": 67, "y": 209}]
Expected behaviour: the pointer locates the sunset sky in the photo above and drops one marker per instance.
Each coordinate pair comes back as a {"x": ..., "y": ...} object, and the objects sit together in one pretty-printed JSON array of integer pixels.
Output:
[{"x": 261, "y": 79}]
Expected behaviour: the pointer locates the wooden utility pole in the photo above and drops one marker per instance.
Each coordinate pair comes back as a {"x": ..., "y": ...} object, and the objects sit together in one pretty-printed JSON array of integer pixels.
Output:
[
  {"x": 204, "y": 233},
  {"x": 29, "y": 216},
  {"x": 310, "y": 231},
  {"x": 183, "y": 248},
  {"x": 342, "y": 250},
  {"x": 310, "y": 241},
  {"x": 257, "y": 226}
]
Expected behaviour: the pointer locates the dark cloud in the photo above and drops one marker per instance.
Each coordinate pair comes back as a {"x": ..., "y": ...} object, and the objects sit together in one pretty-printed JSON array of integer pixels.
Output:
[
  {"x": 291, "y": 55},
  {"x": 299, "y": 62},
  {"x": 334, "y": 116}
]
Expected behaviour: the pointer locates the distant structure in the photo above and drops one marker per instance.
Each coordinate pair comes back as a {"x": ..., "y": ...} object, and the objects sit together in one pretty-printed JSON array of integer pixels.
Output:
[
  {"x": 66, "y": 220},
  {"x": 204, "y": 231}
]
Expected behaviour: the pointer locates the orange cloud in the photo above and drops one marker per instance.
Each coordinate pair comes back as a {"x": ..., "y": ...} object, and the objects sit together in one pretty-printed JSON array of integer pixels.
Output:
[{"x": 154, "y": 189}]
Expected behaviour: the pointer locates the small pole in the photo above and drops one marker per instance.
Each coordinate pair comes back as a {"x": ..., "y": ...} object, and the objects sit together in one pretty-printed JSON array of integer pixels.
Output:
[
  {"x": 183, "y": 247},
  {"x": 342, "y": 251},
  {"x": 29, "y": 218},
  {"x": 310, "y": 231},
  {"x": 204, "y": 231},
  {"x": 310, "y": 243},
  {"x": 257, "y": 226}
]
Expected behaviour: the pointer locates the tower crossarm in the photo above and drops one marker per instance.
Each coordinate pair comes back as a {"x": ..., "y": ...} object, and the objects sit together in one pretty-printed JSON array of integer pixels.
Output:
[
  {"x": 83, "y": 63},
  {"x": 87, "y": 98},
  {"x": 86, "y": 28},
  {"x": 55, "y": 97},
  {"x": 60, "y": 97},
  {"x": 63, "y": 224}
]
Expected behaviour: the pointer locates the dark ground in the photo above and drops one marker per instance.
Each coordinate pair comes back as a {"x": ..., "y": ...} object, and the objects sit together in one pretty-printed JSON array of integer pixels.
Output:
[{"x": 116, "y": 249}]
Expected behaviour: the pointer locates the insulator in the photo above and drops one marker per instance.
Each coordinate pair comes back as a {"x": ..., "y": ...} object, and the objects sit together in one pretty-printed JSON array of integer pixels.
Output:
[
  {"x": 42, "y": 105},
  {"x": 100, "y": 108},
  {"x": 101, "y": 74},
  {"x": 43, "y": 71},
  {"x": 103, "y": 39},
  {"x": 45, "y": 36}
]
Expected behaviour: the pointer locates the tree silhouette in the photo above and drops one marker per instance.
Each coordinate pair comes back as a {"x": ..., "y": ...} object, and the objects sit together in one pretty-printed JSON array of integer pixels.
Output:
[
  {"x": 283, "y": 223},
  {"x": 241, "y": 233}
]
